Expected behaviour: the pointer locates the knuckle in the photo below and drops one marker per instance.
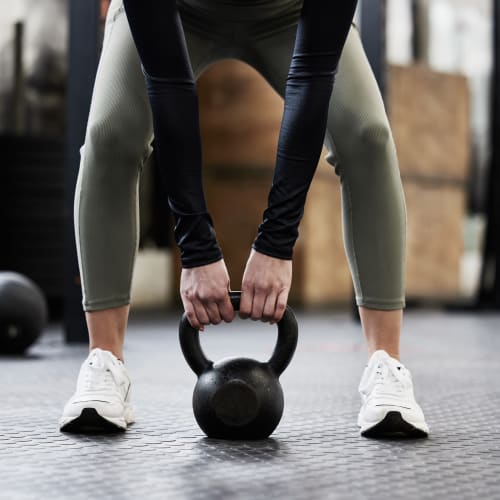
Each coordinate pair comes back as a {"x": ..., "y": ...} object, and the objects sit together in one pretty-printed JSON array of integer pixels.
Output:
[
  {"x": 261, "y": 289},
  {"x": 244, "y": 308},
  {"x": 205, "y": 297},
  {"x": 220, "y": 296}
]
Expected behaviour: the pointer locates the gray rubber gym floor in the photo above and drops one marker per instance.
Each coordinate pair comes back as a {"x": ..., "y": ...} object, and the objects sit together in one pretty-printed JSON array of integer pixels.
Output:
[{"x": 316, "y": 452}]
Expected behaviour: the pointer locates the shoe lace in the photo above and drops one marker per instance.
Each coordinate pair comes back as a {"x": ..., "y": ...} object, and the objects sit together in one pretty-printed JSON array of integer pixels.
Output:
[
  {"x": 389, "y": 378},
  {"x": 100, "y": 375}
]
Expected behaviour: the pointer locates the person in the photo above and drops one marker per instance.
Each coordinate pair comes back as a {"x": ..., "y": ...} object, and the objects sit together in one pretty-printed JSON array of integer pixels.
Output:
[{"x": 296, "y": 46}]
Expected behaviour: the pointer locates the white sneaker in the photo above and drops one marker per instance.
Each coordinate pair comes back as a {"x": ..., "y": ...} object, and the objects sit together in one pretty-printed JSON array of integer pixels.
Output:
[
  {"x": 389, "y": 407},
  {"x": 102, "y": 398}
]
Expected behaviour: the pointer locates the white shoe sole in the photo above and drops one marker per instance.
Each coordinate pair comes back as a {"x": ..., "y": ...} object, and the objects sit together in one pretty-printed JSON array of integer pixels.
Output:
[
  {"x": 90, "y": 421},
  {"x": 393, "y": 425}
]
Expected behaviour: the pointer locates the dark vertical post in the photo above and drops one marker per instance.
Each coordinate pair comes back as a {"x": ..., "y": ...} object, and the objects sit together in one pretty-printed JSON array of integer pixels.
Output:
[
  {"x": 373, "y": 30},
  {"x": 489, "y": 291},
  {"x": 83, "y": 56},
  {"x": 19, "y": 98}
]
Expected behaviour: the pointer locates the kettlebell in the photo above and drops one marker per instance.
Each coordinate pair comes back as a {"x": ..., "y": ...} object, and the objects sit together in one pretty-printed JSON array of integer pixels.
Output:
[{"x": 239, "y": 398}]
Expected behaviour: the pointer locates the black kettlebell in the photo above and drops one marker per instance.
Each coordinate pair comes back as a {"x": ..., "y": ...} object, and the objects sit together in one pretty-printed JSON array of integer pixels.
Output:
[
  {"x": 23, "y": 312},
  {"x": 239, "y": 398}
]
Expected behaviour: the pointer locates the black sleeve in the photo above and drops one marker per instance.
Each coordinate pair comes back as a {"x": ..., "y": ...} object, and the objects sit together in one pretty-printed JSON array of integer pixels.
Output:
[
  {"x": 159, "y": 37},
  {"x": 321, "y": 34}
]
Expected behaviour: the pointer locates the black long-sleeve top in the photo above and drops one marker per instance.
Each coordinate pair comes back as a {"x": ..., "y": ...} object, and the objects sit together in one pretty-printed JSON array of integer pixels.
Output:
[{"x": 158, "y": 34}]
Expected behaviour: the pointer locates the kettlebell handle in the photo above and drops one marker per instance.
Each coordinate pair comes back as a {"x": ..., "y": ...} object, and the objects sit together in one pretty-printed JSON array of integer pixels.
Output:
[{"x": 283, "y": 352}]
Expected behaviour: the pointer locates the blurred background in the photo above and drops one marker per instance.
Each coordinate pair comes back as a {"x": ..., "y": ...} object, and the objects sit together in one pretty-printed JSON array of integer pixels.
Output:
[{"x": 435, "y": 63}]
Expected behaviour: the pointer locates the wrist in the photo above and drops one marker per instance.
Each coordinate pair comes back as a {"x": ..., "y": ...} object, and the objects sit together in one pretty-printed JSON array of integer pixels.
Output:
[
  {"x": 196, "y": 239},
  {"x": 276, "y": 252},
  {"x": 200, "y": 261}
]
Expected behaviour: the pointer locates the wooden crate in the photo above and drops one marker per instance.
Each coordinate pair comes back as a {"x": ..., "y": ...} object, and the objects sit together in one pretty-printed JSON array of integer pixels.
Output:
[
  {"x": 240, "y": 116},
  {"x": 434, "y": 239},
  {"x": 429, "y": 115}
]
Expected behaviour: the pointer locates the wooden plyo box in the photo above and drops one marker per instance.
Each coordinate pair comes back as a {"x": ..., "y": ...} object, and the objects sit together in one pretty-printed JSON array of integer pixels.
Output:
[
  {"x": 429, "y": 114},
  {"x": 434, "y": 240}
]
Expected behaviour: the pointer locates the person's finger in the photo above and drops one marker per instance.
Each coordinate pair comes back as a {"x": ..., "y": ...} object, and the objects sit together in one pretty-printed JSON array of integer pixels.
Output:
[
  {"x": 191, "y": 315},
  {"x": 246, "y": 302},
  {"x": 280, "y": 308},
  {"x": 201, "y": 314},
  {"x": 259, "y": 297},
  {"x": 212, "y": 310},
  {"x": 268, "y": 312},
  {"x": 226, "y": 309}
]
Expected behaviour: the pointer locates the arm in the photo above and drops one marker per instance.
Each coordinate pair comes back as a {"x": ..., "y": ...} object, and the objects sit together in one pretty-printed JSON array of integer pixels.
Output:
[
  {"x": 159, "y": 38},
  {"x": 321, "y": 34}
]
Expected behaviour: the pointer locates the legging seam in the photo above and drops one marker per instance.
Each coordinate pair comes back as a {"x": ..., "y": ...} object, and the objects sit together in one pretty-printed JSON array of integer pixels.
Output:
[
  {"x": 78, "y": 242},
  {"x": 355, "y": 258},
  {"x": 135, "y": 216}
]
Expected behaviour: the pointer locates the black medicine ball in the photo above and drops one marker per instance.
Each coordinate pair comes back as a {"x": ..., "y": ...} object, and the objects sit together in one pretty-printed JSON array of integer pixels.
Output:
[{"x": 23, "y": 312}]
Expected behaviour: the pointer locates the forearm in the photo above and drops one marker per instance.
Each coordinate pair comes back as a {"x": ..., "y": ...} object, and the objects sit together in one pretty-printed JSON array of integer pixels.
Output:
[
  {"x": 321, "y": 35},
  {"x": 158, "y": 34}
]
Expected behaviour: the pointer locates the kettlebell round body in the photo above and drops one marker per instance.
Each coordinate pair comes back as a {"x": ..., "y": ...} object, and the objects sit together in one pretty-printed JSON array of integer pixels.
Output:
[{"x": 238, "y": 398}]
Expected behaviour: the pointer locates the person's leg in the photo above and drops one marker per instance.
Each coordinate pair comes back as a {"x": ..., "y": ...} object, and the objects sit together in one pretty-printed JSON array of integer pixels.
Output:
[
  {"x": 374, "y": 229},
  {"x": 106, "y": 227},
  {"x": 118, "y": 138},
  {"x": 372, "y": 195},
  {"x": 374, "y": 214},
  {"x": 119, "y": 133}
]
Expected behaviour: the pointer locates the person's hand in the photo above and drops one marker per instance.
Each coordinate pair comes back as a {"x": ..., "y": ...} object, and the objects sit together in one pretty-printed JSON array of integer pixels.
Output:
[
  {"x": 205, "y": 295},
  {"x": 265, "y": 288}
]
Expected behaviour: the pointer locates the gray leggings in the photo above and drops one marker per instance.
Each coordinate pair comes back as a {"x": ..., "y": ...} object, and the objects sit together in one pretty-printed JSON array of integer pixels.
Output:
[{"x": 119, "y": 134}]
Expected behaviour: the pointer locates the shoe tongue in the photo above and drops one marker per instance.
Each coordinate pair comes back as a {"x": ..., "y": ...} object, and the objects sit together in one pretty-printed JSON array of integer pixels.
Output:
[
  {"x": 99, "y": 358},
  {"x": 379, "y": 355}
]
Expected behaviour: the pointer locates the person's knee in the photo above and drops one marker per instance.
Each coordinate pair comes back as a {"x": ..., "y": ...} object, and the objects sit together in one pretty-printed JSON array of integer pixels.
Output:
[
  {"x": 366, "y": 143},
  {"x": 374, "y": 134},
  {"x": 118, "y": 143}
]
